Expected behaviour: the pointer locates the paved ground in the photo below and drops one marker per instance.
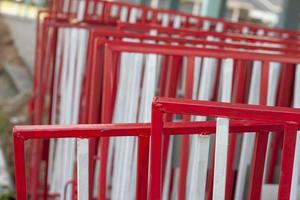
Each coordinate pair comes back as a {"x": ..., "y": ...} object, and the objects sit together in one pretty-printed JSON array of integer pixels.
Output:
[
  {"x": 15, "y": 82},
  {"x": 23, "y": 32}
]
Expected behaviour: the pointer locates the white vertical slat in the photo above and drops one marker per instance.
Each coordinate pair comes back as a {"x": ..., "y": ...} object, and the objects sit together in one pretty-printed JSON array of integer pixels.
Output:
[
  {"x": 82, "y": 169},
  {"x": 125, "y": 150},
  {"x": 125, "y": 147},
  {"x": 206, "y": 25},
  {"x": 81, "y": 8},
  {"x": 54, "y": 114},
  {"x": 221, "y": 149},
  {"x": 222, "y": 135},
  {"x": 57, "y": 173},
  {"x": 65, "y": 5},
  {"x": 196, "y": 7},
  {"x": 70, "y": 89},
  {"x": 129, "y": 157},
  {"x": 68, "y": 144},
  {"x": 123, "y": 102},
  {"x": 177, "y": 22},
  {"x": 133, "y": 15},
  {"x": 126, "y": 111},
  {"x": 82, "y": 144},
  {"x": 219, "y": 27},
  {"x": 296, "y": 168},
  {"x": 77, "y": 65},
  {"x": 198, "y": 160},
  {"x": 117, "y": 118},
  {"x": 165, "y": 20},
  {"x": 124, "y": 13},
  {"x": 72, "y": 48}
]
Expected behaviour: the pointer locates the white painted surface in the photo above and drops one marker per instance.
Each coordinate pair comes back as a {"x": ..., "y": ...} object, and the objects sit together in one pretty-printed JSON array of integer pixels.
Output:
[
  {"x": 295, "y": 176},
  {"x": 83, "y": 169},
  {"x": 220, "y": 158},
  {"x": 199, "y": 152}
]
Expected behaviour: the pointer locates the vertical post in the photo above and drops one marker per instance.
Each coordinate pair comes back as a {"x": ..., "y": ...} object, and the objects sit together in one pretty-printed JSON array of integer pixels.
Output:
[
  {"x": 258, "y": 160},
  {"x": 185, "y": 138},
  {"x": 106, "y": 117},
  {"x": 286, "y": 168},
  {"x": 156, "y": 153},
  {"x": 261, "y": 140},
  {"x": 19, "y": 157},
  {"x": 213, "y": 8},
  {"x": 142, "y": 168},
  {"x": 289, "y": 17}
]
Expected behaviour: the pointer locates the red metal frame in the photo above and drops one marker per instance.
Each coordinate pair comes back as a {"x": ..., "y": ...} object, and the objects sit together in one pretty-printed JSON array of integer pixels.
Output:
[
  {"x": 42, "y": 101},
  {"x": 24, "y": 133},
  {"x": 151, "y": 15},
  {"x": 48, "y": 22},
  {"x": 192, "y": 33},
  {"x": 90, "y": 21},
  {"x": 81, "y": 131},
  {"x": 287, "y": 116},
  {"x": 114, "y": 46},
  {"x": 97, "y": 39}
]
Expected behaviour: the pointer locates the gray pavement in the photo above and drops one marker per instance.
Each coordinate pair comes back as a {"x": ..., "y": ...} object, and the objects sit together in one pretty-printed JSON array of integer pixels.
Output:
[{"x": 23, "y": 32}]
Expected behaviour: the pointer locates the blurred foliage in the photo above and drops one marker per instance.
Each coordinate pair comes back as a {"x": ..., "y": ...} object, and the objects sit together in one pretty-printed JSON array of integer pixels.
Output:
[
  {"x": 6, "y": 141},
  {"x": 7, "y": 195},
  {"x": 4, "y": 124}
]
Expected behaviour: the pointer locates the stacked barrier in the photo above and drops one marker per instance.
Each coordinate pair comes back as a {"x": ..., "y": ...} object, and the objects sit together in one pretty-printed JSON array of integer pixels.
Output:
[{"x": 102, "y": 62}]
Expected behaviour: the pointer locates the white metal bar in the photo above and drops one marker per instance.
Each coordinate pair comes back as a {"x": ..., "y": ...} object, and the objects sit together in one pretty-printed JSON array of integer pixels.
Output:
[
  {"x": 222, "y": 135},
  {"x": 198, "y": 160},
  {"x": 296, "y": 168},
  {"x": 82, "y": 169},
  {"x": 221, "y": 149}
]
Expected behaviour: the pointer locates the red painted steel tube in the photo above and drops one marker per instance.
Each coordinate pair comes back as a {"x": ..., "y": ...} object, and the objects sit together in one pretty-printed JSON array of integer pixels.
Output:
[
  {"x": 27, "y": 132},
  {"x": 284, "y": 99},
  {"x": 156, "y": 154},
  {"x": 125, "y": 48},
  {"x": 186, "y": 19},
  {"x": 106, "y": 117},
  {"x": 22, "y": 133},
  {"x": 286, "y": 169},
  {"x": 142, "y": 171},
  {"x": 234, "y": 111},
  {"x": 240, "y": 83},
  {"x": 258, "y": 162},
  {"x": 237, "y": 39},
  {"x": 19, "y": 156},
  {"x": 185, "y": 139},
  {"x": 261, "y": 141},
  {"x": 172, "y": 80},
  {"x": 201, "y": 52}
]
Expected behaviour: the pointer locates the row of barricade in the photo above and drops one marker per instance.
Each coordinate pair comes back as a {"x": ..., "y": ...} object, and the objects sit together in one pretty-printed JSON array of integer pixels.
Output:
[{"x": 102, "y": 62}]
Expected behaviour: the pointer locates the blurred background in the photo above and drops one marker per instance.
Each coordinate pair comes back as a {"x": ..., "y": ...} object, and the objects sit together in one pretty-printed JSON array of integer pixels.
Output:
[{"x": 17, "y": 47}]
